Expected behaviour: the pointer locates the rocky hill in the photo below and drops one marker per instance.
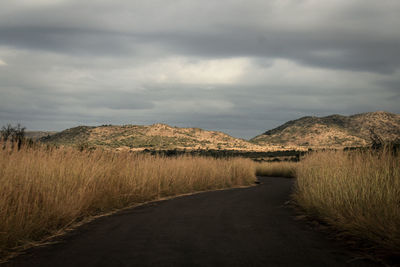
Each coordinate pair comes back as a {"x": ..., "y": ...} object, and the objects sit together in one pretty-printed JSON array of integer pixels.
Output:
[
  {"x": 334, "y": 131},
  {"x": 156, "y": 136}
]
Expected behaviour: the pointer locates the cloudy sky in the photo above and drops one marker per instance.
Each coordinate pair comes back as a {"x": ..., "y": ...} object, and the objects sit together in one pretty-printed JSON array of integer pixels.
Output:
[{"x": 239, "y": 66}]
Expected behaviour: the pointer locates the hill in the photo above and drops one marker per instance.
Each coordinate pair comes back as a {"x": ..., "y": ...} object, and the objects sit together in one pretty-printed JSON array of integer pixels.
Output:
[
  {"x": 156, "y": 136},
  {"x": 333, "y": 131}
]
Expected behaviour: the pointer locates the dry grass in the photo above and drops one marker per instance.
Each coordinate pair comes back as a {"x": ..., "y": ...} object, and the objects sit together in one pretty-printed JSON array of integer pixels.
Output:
[
  {"x": 276, "y": 169},
  {"x": 357, "y": 193},
  {"x": 45, "y": 190}
]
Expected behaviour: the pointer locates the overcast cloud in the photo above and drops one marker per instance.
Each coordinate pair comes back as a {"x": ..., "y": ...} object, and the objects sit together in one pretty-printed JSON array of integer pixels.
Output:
[{"x": 237, "y": 66}]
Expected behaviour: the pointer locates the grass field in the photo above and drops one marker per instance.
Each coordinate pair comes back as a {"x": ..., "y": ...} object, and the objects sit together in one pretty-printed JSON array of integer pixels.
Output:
[
  {"x": 46, "y": 190},
  {"x": 358, "y": 193},
  {"x": 277, "y": 169}
]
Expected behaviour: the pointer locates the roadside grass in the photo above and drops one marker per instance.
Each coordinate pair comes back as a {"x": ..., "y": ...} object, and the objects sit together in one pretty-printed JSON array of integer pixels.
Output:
[
  {"x": 357, "y": 193},
  {"x": 45, "y": 190},
  {"x": 276, "y": 169}
]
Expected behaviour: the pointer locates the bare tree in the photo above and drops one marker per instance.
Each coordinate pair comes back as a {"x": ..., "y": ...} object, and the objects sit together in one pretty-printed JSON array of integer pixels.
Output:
[
  {"x": 13, "y": 134},
  {"x": 6, "y": 132}
]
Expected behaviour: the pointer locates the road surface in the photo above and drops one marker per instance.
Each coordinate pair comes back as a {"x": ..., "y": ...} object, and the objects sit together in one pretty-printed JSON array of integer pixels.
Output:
[{"x": 237, "y": 227}]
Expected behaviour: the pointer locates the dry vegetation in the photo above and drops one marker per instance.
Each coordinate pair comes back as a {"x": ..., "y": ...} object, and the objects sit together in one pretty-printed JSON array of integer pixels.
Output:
[
  {"x": 46, "y": 190},
  {"x": 157, "y": 136},
  {"x": 333, "y": 131},
  {"x": 358, "y": 193},
  {"x": 277, "y": 169}
]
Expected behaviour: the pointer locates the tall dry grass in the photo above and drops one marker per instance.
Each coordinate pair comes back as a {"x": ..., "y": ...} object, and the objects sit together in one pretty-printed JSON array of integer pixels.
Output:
[
  {"x": 45, "y": 190},
  {"x": 356, "y": 192},
  {"x": 276, "y": 169}
]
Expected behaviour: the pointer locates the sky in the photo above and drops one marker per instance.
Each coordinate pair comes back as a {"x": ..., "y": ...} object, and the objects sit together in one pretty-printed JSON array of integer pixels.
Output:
[{"x": 237, "y": 66}]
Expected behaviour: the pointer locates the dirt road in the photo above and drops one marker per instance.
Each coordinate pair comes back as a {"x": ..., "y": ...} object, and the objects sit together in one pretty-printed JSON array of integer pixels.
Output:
[{"x": 237, "y": 227}]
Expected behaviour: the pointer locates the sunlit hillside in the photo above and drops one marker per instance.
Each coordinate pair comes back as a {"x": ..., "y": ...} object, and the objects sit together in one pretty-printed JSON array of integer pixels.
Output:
[{"x": 334, "y": 131}]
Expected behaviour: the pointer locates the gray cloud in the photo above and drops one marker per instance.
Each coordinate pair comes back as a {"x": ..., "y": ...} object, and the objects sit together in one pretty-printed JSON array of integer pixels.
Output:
[
  {"x": 355, "y": 35},
  {"x": 238, "y": 66}
]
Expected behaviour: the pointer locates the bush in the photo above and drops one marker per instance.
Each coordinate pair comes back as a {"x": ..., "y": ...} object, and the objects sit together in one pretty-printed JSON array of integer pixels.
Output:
[{"x": 15, "y": 135}]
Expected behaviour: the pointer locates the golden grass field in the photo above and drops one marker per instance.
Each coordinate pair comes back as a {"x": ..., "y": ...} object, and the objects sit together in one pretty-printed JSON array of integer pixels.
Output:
[
  {"x": 45, "y": 190},
  {"x": 358, "y": 193},
  {"x": 277, "y": 169}
]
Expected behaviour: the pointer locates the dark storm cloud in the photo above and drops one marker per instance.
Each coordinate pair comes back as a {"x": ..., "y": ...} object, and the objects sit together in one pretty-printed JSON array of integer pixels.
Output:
[
  {"x": 361, "y": 35},
  {"x": 238, "y": 66},
  {"x": 59, "y": 39},
  {"x": 316, "y": 49},
  {"x": 320, "y": 49}
]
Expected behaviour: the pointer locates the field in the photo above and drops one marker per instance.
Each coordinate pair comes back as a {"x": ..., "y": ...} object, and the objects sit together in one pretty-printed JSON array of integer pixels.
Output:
[
  {"x": 277, "y": 169},
  {"x": 46, "y": 190},
  {"x": 357, "y": 193}
]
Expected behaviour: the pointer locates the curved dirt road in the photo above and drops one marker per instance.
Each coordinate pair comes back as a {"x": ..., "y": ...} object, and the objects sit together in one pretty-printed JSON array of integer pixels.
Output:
[{"x": 237, "y": 227}]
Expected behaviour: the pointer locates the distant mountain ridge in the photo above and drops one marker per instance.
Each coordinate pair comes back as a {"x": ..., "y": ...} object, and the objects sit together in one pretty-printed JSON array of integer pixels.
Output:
[
  {"x": 35, "y": 135},
  {"x": 156, "y": 136},
  {"x": 333, "y": 130}
]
